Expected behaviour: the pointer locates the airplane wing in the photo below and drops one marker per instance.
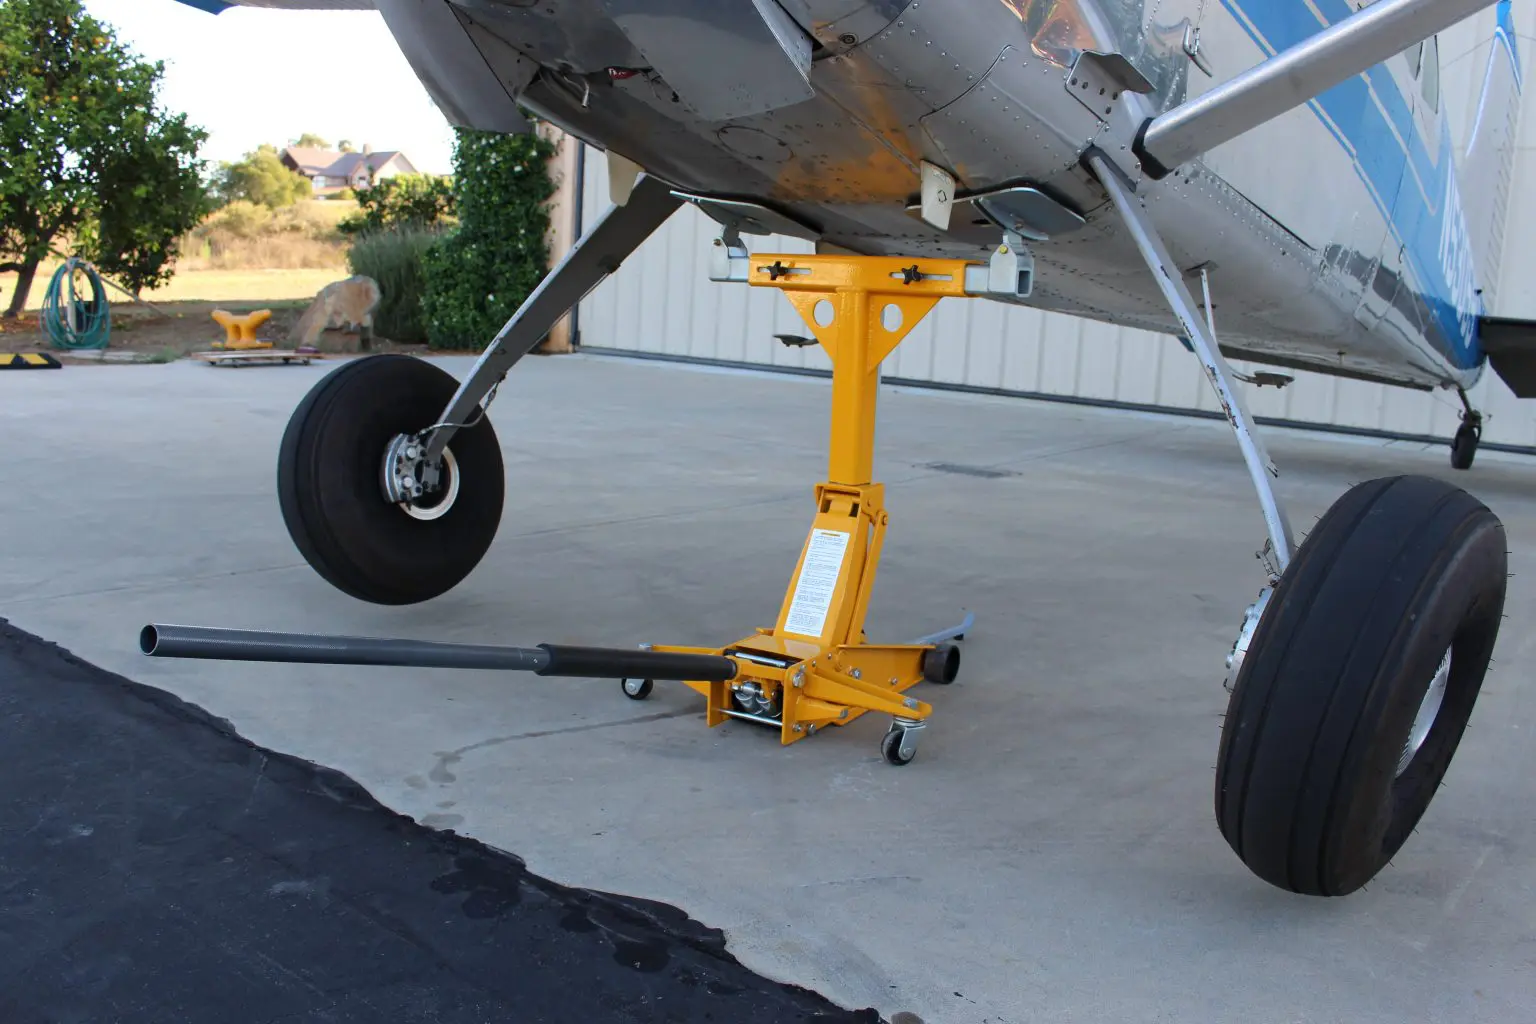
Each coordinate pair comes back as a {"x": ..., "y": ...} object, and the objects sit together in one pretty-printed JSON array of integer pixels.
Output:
[{"x": 215, "y": 6}]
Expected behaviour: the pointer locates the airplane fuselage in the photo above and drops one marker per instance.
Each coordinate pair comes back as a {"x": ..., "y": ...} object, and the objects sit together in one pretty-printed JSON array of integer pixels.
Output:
[{"x": 1370, "y": 273}]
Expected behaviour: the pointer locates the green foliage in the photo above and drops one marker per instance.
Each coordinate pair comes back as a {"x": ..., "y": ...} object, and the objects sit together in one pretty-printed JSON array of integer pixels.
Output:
[
  {"x": 262, "y": 177},
  {"x": 406, "y": 200},
  {"x": 309, "y": 140},
  {"x": 480, "y": 272},
  {"x": 88, "y": 154},
  {"x": 393, "y": 257}
]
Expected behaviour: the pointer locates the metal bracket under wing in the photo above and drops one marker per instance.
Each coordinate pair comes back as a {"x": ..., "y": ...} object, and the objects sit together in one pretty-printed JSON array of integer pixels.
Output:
[
  {"x": 749, "y": 217},
  {"x": 1097, "y": 79},
  {"x": 1022, "y": 209}
]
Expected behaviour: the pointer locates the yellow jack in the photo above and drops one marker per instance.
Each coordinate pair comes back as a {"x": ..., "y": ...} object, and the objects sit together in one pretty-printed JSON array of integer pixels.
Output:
[{"x": 815, "y": 667}]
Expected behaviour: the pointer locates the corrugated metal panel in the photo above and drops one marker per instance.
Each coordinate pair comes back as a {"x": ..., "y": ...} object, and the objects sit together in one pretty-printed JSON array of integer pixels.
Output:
[{"x": 662, "y": 301}]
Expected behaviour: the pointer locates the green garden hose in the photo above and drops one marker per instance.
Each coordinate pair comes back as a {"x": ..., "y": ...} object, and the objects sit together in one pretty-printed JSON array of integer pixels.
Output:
[{"x": 71, "y": 320}]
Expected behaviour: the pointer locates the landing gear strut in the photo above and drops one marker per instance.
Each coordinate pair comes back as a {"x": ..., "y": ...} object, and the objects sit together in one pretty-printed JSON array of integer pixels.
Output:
[{"x": 1356, "y": 670}]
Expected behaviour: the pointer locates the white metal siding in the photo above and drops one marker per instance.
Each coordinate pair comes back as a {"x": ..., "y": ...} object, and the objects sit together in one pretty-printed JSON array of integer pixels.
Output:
[{"x": 662, "y": 301}]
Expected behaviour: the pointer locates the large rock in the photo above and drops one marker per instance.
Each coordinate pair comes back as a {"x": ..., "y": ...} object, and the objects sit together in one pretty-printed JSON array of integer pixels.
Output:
[{"x": 348, "y": 303}]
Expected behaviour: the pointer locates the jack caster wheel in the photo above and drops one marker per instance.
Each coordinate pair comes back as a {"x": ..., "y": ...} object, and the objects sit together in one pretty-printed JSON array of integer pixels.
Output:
[
  {"x": 1358, "y": 682},
  {"x": 941, "y": 664},
  {"x": 899, "y": 746},
  {"x": 637, "y": 689},
  {"x": 1464, "y": 445},
  {"x": 330, "y": 483}
]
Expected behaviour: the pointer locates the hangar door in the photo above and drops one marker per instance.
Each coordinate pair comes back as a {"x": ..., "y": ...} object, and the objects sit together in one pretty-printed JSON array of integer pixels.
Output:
[{"x": 662, "y": 302}]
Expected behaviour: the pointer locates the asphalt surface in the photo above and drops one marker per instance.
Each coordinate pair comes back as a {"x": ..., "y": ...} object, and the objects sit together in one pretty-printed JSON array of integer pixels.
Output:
[
  {"x": 1051, "y": 854},
  {"x": 155, "y": 866}
]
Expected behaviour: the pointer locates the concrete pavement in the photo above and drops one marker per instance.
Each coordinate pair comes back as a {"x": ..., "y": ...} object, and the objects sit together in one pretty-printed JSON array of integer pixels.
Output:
[{"x": 1050, "y": 855}]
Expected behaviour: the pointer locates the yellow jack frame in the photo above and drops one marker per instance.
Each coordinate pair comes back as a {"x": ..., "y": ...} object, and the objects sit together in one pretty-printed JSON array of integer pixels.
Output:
[{"x": 815, "y": 667}]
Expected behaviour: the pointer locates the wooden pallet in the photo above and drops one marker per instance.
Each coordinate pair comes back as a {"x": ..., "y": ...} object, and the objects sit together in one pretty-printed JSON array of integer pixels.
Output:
[{"x": 251, "y": 356}]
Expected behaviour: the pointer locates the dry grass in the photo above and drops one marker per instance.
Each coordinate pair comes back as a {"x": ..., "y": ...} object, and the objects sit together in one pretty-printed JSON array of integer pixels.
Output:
[
  {"x": 242, "y": 251},
  {"x": 243, "y": 236},
  {"x": 246, "y": 285},
  {"x": 205, "y": 285}
]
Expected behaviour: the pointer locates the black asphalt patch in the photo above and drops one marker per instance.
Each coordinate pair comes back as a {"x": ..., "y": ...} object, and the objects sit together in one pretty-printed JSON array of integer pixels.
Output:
[{"x": 157, "y": 867}]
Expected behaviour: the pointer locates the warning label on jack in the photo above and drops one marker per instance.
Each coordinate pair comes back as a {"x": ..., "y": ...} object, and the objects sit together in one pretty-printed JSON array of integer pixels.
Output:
[{"x": 817, "y": 583}]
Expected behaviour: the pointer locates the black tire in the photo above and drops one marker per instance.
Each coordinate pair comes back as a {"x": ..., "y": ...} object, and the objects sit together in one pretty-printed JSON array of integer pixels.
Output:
[
  {"x": 1307, "y": 787},
  {"x": 642, "y": 689},
  {"x": 329, "y": 469},
  {"x": 941, "y": 663},
  {"x": 890, "y": 749},
  {"x": 1464, "y": 446}
]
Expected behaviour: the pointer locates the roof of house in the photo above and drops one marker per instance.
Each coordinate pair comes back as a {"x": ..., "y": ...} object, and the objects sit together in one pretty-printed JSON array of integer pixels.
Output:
[{"x": 311, "y": 161}]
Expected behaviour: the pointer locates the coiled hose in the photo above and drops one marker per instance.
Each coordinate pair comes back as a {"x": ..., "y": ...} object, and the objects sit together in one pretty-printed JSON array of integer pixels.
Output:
[{"x": 70, "y": 320}]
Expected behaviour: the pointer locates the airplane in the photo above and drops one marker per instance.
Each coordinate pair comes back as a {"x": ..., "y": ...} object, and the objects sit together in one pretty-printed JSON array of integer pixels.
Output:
[{"x": 1128, "y": 161}]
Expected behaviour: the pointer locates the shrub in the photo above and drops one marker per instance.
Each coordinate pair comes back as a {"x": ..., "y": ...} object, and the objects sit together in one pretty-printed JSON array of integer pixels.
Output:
[
  {"x": 262, "y": 177},
  {"x": 394, "y": 259},
  {"x": 406, "y": 200},
  {"x": 480, "y": 272}
]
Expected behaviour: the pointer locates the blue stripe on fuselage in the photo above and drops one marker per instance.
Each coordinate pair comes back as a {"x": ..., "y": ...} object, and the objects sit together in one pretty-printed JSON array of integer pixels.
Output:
[{"x": 1375, "y": 124}]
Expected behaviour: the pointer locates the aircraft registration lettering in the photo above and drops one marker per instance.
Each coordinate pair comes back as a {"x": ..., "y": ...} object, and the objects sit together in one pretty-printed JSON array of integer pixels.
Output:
[
  {"x": 817, "y": 583},
  {"x": 1456, "y": 262}
]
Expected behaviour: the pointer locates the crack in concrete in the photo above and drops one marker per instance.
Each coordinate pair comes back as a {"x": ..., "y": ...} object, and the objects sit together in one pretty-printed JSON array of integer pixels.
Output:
[{"x": 445, "y": 759}]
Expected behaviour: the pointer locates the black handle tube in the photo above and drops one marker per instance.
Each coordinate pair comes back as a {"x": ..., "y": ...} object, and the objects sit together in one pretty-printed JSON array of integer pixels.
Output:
[
  {"x": 218, "y": 644},
  {"x": 615, "y": 663},
  {"x": 165, "y": 641}
]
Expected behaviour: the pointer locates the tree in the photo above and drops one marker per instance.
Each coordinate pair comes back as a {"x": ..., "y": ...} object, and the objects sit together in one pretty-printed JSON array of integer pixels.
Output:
[
  {"x": 262, "y": 177},
  {"x": 89, "y": 156},
  {"x": 479, "y": 274},
  {"x": 345, "y": 146},
  {"x": 309, "y": 140},
  {"x": 403, "y": 201}
]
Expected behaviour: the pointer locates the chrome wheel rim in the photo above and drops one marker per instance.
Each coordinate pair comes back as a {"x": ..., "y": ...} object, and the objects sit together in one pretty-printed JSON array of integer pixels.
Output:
[
  {"x": 448, "y": 493},
  {"x": 1429, "y": 710}
]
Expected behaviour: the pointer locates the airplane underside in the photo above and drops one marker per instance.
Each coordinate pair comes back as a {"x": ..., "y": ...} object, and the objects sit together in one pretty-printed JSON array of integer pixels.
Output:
[{"x": 841, "y": 166}]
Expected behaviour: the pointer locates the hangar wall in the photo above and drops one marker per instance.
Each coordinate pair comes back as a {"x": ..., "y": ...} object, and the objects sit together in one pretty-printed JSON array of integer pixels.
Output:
[{"x": 662, "y": 302}]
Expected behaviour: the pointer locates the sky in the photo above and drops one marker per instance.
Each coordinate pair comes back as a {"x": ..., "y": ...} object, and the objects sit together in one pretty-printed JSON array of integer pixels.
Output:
[{"x": 249, "y": 76}]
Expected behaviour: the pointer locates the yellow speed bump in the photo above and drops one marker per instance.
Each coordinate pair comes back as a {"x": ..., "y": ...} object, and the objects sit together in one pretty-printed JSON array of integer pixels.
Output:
[{"x": 28, "y": 361}]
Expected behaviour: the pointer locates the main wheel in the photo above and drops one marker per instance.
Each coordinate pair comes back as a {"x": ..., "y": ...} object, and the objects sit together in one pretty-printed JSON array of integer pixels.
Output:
[
  {"x": 330, "y": 473},
  {"x": 1358, "y": 683}
]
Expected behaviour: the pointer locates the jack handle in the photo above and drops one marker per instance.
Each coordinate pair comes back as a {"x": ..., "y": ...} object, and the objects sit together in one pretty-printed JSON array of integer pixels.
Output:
[{"x": 217, "y": 644}]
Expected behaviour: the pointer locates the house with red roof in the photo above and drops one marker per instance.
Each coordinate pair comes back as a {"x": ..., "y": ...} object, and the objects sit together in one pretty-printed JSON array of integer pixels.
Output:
[{"x": 331, "y": 172}]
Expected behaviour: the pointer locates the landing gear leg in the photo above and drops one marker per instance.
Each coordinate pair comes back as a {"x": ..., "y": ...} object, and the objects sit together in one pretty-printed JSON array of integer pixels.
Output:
[
  {"x": 1355, "y": 672},
  {"x": 1464, "y": 444},
  {"x": 413, "y": 517}
]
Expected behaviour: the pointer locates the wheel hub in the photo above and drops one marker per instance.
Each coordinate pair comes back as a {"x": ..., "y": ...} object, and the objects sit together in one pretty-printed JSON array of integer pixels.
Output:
[
  {"x": 417, "y": 483},
  {"x": 1240, "y": 647},
  {"x": 1429, "y": 709}
]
